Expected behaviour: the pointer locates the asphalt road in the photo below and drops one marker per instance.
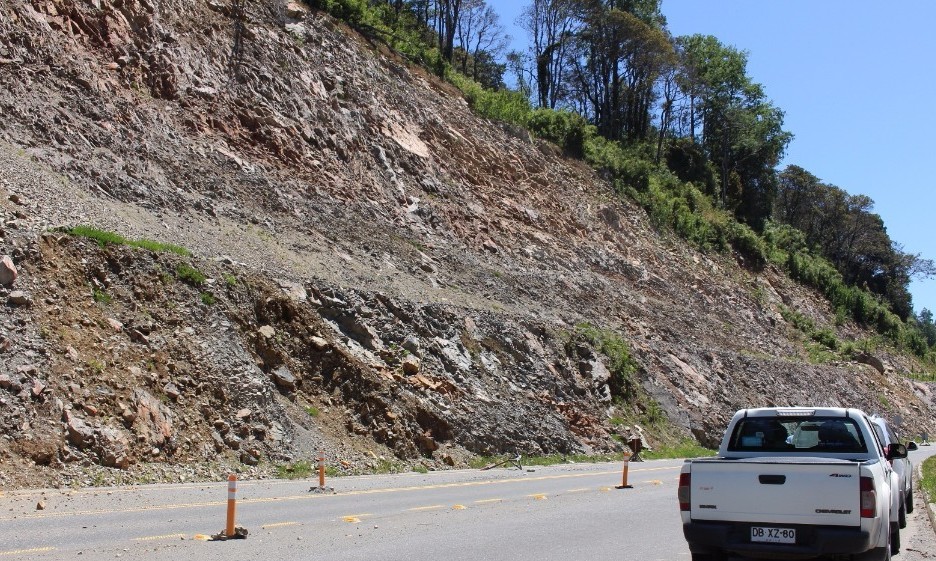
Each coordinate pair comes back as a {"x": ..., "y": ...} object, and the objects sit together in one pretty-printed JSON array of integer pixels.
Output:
[{"x": 571, "y": 512}]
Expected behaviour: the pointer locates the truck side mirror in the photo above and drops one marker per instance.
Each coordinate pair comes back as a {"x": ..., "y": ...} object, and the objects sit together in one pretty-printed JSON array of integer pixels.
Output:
[{"x": 896, "y": 451}]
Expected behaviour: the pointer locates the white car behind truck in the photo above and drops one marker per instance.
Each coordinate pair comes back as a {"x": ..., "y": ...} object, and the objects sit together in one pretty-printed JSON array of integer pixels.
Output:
[{"x": 794, "y": 483}]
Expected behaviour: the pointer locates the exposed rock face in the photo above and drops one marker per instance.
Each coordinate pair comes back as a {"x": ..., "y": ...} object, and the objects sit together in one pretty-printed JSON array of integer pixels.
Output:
[
  {"x": 385, "y": 273},
  {"x": 153, "y": 419}
]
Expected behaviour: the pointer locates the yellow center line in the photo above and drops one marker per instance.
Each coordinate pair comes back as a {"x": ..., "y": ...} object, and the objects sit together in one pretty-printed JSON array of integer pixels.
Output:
[
  {"x": 459, "y": 507},
  {"x": 430, "y": 507},
  {"x": 482, "y": 501},
  {"x": 25, "y": 551},
  {"x": 279, "y": 525},
  {"x": 164, "y": 537},
  {"x": 580, "y": 490},
  {"x": 538, "y": 496},
  {"x": 244, "y": 483}
]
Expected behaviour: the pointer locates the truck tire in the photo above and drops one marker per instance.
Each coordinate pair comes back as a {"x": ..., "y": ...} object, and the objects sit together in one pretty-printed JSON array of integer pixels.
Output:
[
  {"x": 894, "y": 541},
  {"x": 909, "y": 501},
  {"x": 902, "y": 516}
]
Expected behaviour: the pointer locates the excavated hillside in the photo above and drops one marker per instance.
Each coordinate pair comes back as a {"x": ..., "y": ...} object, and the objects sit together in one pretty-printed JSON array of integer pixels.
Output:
[{"x": 375, "y": 271}]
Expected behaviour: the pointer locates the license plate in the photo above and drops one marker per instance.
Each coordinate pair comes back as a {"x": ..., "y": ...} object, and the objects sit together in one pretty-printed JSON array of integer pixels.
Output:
[{"x": 773, "y": 535}]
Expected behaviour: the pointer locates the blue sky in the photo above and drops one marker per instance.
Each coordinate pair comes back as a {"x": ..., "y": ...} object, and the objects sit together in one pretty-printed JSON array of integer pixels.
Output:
[{"x": 855, "y": 79}]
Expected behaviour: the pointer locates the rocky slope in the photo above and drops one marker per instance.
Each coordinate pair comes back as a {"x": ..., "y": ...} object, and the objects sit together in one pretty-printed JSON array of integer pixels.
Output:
[{"x": 386, "y": 276}]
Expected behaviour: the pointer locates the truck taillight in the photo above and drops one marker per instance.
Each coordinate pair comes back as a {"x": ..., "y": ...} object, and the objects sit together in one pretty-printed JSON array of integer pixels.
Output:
[
  {"x": 684, "y": 492},
  {"x": 868, "y": 498}
]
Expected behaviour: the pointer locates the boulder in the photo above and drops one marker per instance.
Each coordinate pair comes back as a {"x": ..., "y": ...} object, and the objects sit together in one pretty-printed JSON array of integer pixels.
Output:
[
  {"x": 296, "y": 10},
  {"x": 113, "y": 448},
  {"x": 411, "y": 365},
  {"x": 284, "y": 378},
  {"x": 8, "y": 272},
  {"x": 18, "y": 298},
  {"x": 79, "y": 433}
]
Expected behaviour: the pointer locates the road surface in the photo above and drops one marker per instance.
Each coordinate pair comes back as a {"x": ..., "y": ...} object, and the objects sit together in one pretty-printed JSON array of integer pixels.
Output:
[{"x": 569, "y": 512}]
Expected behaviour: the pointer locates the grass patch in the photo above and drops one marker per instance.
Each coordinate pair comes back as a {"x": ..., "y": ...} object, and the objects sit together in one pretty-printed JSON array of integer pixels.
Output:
[
  {"x": 620, "y": 362},
  {"x": 105, "y": 238},
  {"x": 384, "y": 465},
  {"x": 188, "y": 274},
  {"x": 312, "y": 411},
  {"x": 296, "y": 470},
  {"x": 160, "y": 247},
  {"x": 208, "y": 298},
  {"x": 100, "y": 296},
  {"x": 230, "y": 280},
  {"x": 686, "y": 448},
  {"x": 102, "y": 237},
  {"x": 928, "y": 480},
  {"x": 547, "y": 460}
]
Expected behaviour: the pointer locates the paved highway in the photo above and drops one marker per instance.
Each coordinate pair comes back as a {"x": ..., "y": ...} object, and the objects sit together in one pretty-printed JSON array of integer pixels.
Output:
[{"x": 571, "y": 512}]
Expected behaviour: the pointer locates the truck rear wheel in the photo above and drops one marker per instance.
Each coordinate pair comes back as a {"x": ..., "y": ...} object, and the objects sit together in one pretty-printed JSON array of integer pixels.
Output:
[{"x": 909, "y": 500}]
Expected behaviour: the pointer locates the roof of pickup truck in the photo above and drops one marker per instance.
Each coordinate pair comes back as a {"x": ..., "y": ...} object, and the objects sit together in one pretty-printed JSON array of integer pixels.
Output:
[{"x": 800, "y": 412}]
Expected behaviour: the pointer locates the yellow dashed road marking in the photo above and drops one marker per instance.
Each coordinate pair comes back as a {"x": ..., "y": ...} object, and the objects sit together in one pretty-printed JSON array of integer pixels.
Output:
[
  {"x": 202, "y": 537},
  {"x": 482, "y": 501},
  {"x": 25, "y": 551},
  {"x": 580, "y": 490},
  {"x": 655, "y": 482},
  {"x": 458, "y": 507},
  {"x": 165, "y": 537},
  {"x": 604, "y": 489},
  {"x": 430, "y": 507},
  {"x": 279, "y": 525},
  {"x": 538, "y": 496},
  {"x": 351, "y": 519}
]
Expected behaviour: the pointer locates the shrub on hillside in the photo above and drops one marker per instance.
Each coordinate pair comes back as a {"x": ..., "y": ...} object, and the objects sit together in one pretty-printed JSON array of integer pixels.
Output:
[
  {"x": 501, "y": 105},
  {"x": 566, "y": 129}
]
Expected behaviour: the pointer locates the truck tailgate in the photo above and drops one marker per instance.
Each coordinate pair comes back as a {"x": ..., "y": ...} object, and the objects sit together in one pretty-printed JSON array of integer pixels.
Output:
[{"x": 803, "y": 491}]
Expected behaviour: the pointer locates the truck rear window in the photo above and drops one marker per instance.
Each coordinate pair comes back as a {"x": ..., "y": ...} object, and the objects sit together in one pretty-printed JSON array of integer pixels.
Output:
[{"x": 795, "y": 434}]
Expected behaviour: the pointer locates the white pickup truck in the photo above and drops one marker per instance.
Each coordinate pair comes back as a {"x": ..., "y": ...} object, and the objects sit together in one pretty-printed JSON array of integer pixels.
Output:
[{"x": 793, "y": 483}]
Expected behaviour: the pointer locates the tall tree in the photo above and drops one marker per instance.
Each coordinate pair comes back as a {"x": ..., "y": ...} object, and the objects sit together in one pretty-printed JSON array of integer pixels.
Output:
[
  {"x": 481, "y": 39},
  {"x": 551, "y": 25},
  {"x": 617, "y": 58},
  {"x": 925, "y": 320},
  {"x": 742, "y": 132},
  {"x": 449, "y": 14}
]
